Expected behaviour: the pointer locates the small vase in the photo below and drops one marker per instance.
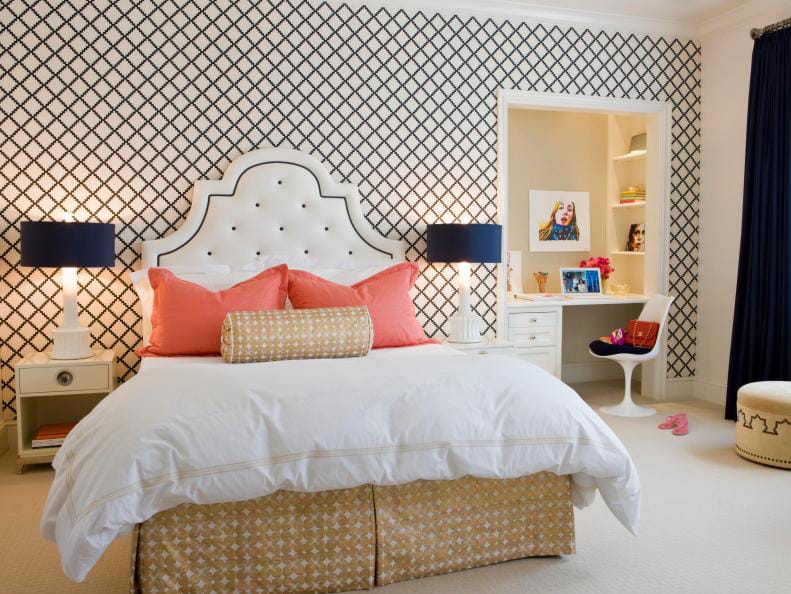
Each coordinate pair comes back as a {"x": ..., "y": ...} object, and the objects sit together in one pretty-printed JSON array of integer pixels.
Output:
[
  {"x": 605, "y": 285},
  {"x": 541, "y": 281}
]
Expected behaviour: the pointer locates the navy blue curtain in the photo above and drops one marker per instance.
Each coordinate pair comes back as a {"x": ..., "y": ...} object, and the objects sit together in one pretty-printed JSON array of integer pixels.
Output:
[{"x": 761, "y": 337}]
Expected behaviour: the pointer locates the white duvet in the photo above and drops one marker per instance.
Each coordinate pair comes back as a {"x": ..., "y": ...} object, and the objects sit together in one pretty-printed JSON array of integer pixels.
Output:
[{"x": 200, "y": 430}]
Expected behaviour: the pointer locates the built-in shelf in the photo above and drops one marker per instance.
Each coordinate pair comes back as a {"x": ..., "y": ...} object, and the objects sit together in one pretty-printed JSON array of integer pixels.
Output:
[
  {"x": 633, "y": 156},
  {"x": 623, "y": 253},
  {"x": 636, "y": 204}
]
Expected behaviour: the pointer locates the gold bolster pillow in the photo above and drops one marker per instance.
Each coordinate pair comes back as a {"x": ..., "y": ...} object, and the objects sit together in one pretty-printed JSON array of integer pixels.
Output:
[{"x": 277, "y": 335}]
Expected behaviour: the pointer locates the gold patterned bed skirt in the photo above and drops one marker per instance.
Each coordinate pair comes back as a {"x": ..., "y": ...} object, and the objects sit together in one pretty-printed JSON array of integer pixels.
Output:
[{"x": 351, "y": 539}]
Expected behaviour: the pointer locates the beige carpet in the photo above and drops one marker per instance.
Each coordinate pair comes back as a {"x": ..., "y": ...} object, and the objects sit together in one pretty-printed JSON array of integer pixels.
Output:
[{"x": 712, "y": 522}]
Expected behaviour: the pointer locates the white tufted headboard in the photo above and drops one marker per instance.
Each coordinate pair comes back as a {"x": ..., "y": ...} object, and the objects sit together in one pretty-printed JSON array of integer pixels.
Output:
[{"x": 273, "y": 202}]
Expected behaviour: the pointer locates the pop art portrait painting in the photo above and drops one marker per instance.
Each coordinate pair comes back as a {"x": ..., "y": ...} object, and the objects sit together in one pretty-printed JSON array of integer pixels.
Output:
[{"x": 559, "y": 221}]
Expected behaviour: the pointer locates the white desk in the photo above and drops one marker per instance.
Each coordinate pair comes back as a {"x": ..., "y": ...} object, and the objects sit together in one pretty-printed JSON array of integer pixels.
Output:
[{"x": 536, "y": 327}]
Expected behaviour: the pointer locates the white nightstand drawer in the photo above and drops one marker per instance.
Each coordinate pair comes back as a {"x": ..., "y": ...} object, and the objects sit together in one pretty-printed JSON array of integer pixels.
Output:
[
  {"x": 504, "y": 350},
  {"x": 544, "y": 358},
  {"x": 533, "y": 337},
  {"x": 532, "y": 319},
  {"x": 81, "y": 378},
  {"x": 485, "y": 347}
]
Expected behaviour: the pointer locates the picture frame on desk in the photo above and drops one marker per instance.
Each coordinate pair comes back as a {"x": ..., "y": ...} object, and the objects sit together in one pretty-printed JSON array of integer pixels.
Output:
[{"x": 581, "y": 281}]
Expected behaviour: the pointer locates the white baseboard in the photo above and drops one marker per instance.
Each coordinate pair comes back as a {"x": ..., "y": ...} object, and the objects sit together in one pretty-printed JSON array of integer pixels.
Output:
[
  {"x": 679, "y": 388},
  {"x": 591, "y": 371},
  {"x": 4, "y": 437},
  {"x": 683, "y": 388},
  {"x": 710, "y": 391}
]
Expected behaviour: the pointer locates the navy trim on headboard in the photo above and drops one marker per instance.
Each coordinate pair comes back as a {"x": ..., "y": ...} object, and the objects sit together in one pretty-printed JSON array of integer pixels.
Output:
[{"x": 233, "y": 193}]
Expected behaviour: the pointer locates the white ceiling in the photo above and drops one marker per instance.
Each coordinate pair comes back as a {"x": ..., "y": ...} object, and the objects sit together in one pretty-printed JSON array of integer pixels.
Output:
[
  {"x": 678, "y": 18},
  {"x": 688, "y": 11}
]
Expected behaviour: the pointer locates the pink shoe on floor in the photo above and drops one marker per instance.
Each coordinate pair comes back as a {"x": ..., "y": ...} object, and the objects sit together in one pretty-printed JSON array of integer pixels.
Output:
[
  {"x": 682, "y": 426},
  {"x": 671, "y": 421}
]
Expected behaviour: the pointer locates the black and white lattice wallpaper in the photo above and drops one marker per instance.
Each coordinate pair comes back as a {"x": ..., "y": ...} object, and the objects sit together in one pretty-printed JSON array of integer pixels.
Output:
[{"x": 113, "y": 109}]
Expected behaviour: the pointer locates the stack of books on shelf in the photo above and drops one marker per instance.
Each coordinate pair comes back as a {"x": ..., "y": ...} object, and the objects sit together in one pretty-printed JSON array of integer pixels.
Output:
[
  {"x": 633, "y": 194},
  {"x": 49, "y": 436}
]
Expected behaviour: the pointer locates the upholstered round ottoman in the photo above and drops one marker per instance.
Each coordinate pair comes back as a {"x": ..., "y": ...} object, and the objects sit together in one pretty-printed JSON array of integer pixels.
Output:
[{"x": 763, "y": 424}]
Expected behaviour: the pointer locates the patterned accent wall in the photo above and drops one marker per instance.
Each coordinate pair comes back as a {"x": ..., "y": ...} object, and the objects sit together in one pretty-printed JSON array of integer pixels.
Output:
[{"x": 113, "y": 109}]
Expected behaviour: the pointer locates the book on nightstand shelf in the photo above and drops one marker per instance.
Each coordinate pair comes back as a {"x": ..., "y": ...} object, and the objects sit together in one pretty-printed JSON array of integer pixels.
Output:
[{"x": 52, "y": 435}]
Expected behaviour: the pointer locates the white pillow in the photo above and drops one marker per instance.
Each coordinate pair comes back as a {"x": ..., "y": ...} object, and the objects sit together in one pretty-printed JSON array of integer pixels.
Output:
[
  {"x": 347, "y": 276},
  {"x": 265, "y": 262},
  {"x": 342, "y": 272}
]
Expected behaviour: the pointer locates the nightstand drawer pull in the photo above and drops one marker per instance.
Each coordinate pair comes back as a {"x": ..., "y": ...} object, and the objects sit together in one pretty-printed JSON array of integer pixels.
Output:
[{"x": 65, "y": 378}]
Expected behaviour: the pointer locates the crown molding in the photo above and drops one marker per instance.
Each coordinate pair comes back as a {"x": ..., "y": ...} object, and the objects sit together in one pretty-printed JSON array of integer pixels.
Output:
[
  {"x": 539, "y": 14},
  {"x": 748, "y": 14}
]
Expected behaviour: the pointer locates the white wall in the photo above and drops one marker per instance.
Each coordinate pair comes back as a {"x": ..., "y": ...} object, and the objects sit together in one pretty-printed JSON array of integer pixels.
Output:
[
  {"x": 564, "y": 150},
  {"x": 555, "y": 150},
  {"x": 726, "y": 58}
]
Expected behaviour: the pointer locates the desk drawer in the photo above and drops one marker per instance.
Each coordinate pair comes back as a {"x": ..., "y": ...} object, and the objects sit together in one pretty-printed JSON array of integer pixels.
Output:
[
  {"x": 532, "y": 319},
  {"x": 533, "y": 337},
  {"x": 543, "y": 357},
  {"x": 81, "y": 378}
]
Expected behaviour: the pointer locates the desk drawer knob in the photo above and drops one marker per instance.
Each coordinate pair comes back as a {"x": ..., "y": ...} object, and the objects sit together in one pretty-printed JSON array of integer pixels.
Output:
[
  {"x": 532, "y": 337},
  {"x": 65, "y": 378},
  {"x": 533, "y": 320},
  {"x": 483, "y": 352}
]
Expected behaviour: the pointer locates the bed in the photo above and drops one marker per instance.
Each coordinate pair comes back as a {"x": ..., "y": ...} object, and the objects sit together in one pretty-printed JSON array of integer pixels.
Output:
[{"x": 323, "y": 475}]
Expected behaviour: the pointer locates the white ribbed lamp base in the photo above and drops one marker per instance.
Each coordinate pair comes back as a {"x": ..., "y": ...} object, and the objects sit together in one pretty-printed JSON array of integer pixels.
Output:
[
  {"x": 465, "y": 329},
  {"x": 71, "y": 343}
]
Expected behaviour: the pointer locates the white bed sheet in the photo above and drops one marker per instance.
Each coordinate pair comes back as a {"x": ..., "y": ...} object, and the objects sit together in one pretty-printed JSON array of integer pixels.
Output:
[
  {"x": 422, "y": 350},
  {"x": 200, "y": 430}
]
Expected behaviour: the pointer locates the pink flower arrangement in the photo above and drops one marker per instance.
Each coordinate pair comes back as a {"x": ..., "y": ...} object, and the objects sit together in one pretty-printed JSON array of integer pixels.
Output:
[{"x": 603, "y": 264}]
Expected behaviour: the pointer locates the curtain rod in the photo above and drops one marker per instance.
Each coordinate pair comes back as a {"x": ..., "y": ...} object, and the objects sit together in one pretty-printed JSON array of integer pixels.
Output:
[{"x": 757, "y": 32}]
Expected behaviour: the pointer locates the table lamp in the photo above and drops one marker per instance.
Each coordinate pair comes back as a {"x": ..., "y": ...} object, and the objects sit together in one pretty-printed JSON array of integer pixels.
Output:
[
  {"x": 463, "y": 245},
  {"x": 68, "y": 246}
]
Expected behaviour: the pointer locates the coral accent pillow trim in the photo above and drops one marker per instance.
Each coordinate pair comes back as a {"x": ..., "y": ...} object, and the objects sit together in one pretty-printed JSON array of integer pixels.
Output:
[
  {"x": 385, "y": 294},
  {"x": 187, "y": 318}
]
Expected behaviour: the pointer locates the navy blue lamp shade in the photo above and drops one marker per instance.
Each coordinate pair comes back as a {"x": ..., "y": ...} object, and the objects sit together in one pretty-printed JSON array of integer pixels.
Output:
[
  {"x": 52, "y": 244},
  {"x": 476, "y": 243}
]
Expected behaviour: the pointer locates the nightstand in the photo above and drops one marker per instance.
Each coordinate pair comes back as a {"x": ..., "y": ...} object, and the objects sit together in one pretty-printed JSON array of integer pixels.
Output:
[
  {"x": 487, "y": 346},
  {"x": 57, "y": 391}
]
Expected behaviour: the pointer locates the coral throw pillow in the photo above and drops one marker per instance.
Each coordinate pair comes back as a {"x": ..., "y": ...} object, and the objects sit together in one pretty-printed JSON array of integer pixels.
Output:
[
  {"x": 386, "y": 294},
  {"x": 187, "y": 318}
]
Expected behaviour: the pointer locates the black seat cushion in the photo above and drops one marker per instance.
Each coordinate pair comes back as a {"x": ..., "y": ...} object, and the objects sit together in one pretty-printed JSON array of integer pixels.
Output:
[{"x": 605, "y": 349}]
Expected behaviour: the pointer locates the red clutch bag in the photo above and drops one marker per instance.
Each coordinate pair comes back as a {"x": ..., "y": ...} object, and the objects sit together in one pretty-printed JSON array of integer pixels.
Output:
[{"x": 642, "y": 334}]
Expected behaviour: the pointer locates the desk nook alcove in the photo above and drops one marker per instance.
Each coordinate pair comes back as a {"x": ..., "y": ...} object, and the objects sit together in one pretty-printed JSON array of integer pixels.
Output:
[{"x": 580, "y": 177}]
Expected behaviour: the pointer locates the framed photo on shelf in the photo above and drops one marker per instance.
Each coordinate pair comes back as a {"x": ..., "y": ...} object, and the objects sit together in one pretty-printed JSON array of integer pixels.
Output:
[
  {"x": 636, "y": 240},
  {"x": 559, "y": 221}
]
